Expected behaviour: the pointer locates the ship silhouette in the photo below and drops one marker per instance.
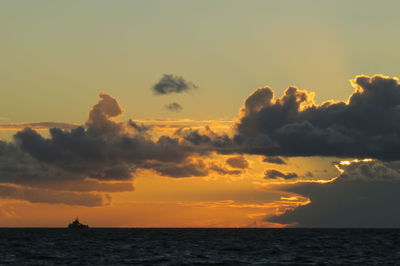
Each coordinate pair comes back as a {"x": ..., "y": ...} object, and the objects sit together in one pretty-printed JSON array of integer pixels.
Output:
[{"x": 77, "y": 225}]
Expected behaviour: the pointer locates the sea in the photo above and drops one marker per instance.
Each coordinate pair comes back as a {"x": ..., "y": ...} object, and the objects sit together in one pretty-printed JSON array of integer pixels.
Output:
[{"x": 203, "y": 246}]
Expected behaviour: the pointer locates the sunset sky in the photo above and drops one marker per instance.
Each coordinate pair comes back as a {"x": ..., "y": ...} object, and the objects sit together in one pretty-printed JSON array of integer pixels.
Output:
[{"x": 200, "y": 113}]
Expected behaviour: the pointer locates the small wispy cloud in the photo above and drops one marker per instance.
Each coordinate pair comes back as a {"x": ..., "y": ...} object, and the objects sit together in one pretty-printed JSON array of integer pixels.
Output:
[
  {"x": 175, "y": 107},
  {"x": 36, "y": 126}
]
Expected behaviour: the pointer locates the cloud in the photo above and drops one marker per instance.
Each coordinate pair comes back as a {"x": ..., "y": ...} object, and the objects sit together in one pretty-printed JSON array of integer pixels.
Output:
[
  {"x": 179, "y": 170},
  {"x": 52, "y": 196},
  {"x": 207, "y": 139},
  {"x": 101, "y": 117},
  {"x": 366, "y": 125},
  {"x": 18, "y": 167},
  {"x": 140, "y": 128},
  {"x": 104, "y": 149},
  {"x": 105, "y": 152},
  {"x": 25, "y": 178},
  {"x": 364, "y": 195},
  {"x": 238, "y": 162},
  {"x": 273, "y": 174},
  {"x": 274, "y": 160},
  {"x": 191, "y": 169},
  {"x": 37, "y": 126},
  {"x": 176, "y": 107},
  {"x": 223, "y": 170},
  {"x": 101, "y": 156},
  {"x": 172, "y": 84}
]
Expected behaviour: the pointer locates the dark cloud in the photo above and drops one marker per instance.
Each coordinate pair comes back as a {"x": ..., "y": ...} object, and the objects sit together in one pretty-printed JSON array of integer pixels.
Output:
[
  {"x": 81, "y": 160},
  {"x": 274, "y": 160},
  {"x": 190, "y": 169},
  {"x": 172, "y": 84},
  {"x": 52, "y": 196},
  {"x": 238, "y": 162},
  {"x": 179, "y": 170},
  {"x": 208, "y": 139},
  {"x": 105, "y": 149},
  {"x": 25, "y": 178},
  {"x": 176, "y": 107},
  {"x": 224, "y": 171},
  {"x": 367, "y": 125},
  {"x": 140, "y": 128},
  {"x": 364, "y": 195},
  {"x": 273, "y": 174},
  {"x": 77, "y": 151},
  {"x": 18, "y": 167}
]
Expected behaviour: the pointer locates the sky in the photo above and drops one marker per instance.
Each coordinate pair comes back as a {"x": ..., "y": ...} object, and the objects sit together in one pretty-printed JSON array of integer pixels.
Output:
[{"x": 199, "y": 113}]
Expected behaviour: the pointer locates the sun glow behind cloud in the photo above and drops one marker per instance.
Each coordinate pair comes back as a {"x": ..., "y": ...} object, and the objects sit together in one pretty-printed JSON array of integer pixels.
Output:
[
  {"x": 216, "y": 209},
  {"x": 233, "y": 194}
]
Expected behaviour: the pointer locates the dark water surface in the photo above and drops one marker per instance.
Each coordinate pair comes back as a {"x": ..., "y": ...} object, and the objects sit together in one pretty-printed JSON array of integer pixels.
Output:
[{"x": 200, "y": 247}]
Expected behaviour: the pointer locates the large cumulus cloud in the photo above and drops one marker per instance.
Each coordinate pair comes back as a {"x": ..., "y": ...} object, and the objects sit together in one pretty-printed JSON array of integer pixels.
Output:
[
  {"x": 364, "y": 195},
  {"x": 100, "y": 156},
  {"x": 104, "y": 149},
  {"x": 366, "y": 125}
]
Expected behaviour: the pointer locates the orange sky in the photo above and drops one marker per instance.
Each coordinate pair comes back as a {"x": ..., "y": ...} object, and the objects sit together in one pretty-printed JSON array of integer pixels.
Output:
[
  {"x": 58, "y": 56},
  {"x": 216, "y": 200}
]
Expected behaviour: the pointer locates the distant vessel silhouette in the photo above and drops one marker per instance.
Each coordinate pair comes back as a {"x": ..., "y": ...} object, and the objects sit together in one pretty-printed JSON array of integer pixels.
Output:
[{"x": 77, "y": 225}]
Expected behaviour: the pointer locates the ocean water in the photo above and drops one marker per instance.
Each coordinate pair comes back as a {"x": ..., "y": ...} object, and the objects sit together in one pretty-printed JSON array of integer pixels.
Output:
[{"x": 98, "y": 246}]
